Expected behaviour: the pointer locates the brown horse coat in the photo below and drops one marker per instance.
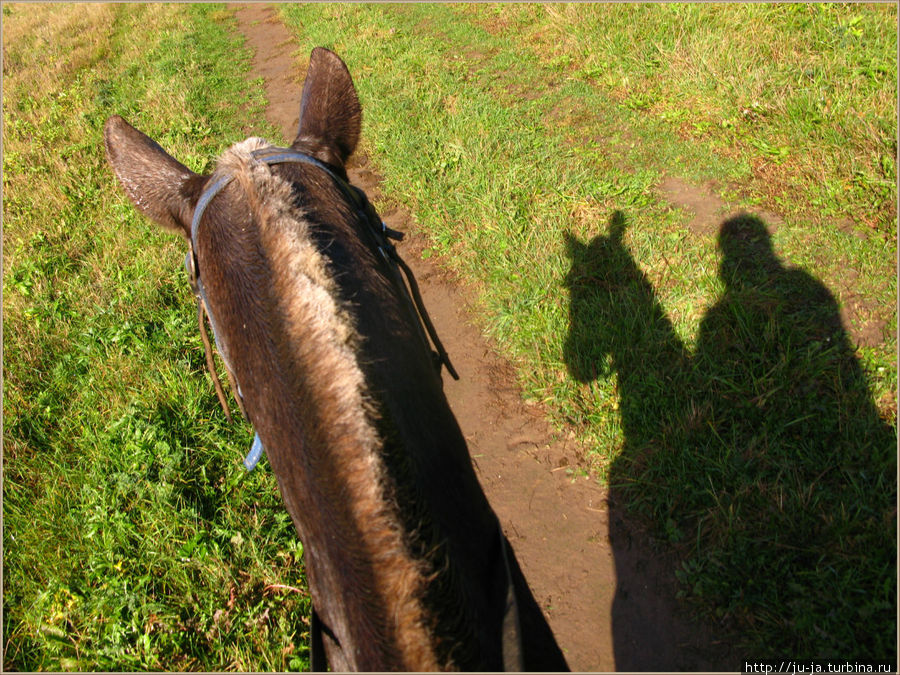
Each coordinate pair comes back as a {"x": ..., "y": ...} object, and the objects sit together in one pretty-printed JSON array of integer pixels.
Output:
[{"x": 407, "y": 566}]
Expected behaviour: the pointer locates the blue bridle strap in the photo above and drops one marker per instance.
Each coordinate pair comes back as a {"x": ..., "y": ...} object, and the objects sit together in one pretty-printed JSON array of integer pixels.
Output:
[
  {"x": 270, "y": 155},
  {"x": 274, "y": 155}
]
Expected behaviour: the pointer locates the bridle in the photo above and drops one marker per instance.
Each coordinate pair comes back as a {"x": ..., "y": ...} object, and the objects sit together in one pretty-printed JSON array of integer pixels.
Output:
[{"x": 381, "y": 236}]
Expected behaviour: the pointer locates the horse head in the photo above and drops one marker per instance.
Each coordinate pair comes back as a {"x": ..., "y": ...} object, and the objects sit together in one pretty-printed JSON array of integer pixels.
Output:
[{"x": 407, "y": 566}]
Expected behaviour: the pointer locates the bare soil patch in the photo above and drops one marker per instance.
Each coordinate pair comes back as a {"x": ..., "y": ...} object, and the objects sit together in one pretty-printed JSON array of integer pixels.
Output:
[
  {"x": 609, "y": 596},
  {"x": 275, "y": 62},
  {"x": 708, "y": 210},
  {"x": 706, "y": 207}
]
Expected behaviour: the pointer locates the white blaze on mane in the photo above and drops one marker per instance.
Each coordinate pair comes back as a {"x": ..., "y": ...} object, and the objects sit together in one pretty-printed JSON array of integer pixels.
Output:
[{"x": 319, "y": 325}]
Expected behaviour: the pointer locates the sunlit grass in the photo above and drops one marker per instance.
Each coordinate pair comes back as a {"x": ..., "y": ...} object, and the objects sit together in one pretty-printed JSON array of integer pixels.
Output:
[
  {"x": 750, "y": 429},
  {"x": 804, "y": 94},
  {"x": 133, "y": 538}
]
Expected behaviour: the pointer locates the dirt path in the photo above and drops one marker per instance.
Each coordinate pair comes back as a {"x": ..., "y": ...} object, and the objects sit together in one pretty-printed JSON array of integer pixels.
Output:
[{"x": 607, "y": 595}]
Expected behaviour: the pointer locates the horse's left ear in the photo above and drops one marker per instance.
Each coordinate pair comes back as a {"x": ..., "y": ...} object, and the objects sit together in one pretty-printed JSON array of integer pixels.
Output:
[
  {"x": 160, "y": 187},
  {"x": 330, "y": 115}
]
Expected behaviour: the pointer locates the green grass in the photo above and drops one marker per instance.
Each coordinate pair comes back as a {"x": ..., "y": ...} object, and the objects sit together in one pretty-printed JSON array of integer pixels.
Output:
[
  {"x": 803, "y": 95},
  {"x": 133, "y": 538},
  {"x": 714, "y": 388}
]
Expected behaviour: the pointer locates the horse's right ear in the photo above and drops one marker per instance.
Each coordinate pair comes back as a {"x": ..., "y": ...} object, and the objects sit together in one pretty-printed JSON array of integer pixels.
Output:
[
  {"x": 330, "y": 114},
  {"x": 617, "y": 227},
  {"x": 160, "y": 187}
]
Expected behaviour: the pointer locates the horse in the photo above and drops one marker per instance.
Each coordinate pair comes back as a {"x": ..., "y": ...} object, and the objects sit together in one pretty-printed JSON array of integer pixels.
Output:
[{"x": 407, "y": 565}]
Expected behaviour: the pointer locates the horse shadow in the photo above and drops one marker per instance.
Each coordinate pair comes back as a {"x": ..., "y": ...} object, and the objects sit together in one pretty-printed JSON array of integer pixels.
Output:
[{"x": 758, "y": 456}]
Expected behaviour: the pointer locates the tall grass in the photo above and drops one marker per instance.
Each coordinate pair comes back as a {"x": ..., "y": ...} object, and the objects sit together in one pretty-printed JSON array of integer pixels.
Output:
[
  {"x": 710, "y": 378},
  {"x": 133, "y": 539}
]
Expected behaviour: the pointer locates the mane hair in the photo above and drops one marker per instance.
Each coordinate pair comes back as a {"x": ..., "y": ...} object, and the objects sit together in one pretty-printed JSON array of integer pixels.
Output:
[{"x": 323, "y": 343}]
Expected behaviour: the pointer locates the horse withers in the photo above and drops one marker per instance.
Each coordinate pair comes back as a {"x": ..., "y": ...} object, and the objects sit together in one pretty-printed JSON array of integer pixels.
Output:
[{"x": 408, "y": 568}]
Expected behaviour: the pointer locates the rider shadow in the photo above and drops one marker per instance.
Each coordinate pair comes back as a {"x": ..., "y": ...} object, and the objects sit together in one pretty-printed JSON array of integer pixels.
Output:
[{"x": 759, "y": 457}]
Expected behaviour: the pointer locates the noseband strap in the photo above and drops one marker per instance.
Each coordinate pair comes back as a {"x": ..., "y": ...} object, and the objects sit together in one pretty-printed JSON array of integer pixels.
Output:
[{"x": 382, "y": 235}]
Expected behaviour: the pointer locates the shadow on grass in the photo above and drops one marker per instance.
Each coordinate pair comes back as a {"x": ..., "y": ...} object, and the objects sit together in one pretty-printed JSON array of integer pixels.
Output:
[{"x": 759, "y": 456}]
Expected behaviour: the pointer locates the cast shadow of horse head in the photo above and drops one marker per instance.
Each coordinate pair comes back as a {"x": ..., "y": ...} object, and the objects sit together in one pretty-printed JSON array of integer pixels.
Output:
[{"x": 408, "y": 568}]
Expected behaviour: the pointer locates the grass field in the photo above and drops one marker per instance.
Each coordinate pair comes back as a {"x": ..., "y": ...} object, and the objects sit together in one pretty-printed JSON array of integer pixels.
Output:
[
  {"x": 706, "y": 375},
  {"x": 133, "y": 538}
]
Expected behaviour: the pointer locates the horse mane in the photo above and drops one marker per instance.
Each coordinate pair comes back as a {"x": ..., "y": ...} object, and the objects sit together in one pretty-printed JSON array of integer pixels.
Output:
[{"x": 324, "y": 341}]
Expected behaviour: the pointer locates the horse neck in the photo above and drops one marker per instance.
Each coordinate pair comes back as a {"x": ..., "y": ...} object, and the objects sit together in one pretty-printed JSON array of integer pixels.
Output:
[{"x": 306, "y": 393}]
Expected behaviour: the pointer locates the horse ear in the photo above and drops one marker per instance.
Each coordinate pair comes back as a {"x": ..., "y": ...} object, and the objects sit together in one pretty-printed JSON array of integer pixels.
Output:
[
  {"x": 617, "y": 227},
  {"x": 330, "y": 115},
  {"x": 160, "y": 187}
]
